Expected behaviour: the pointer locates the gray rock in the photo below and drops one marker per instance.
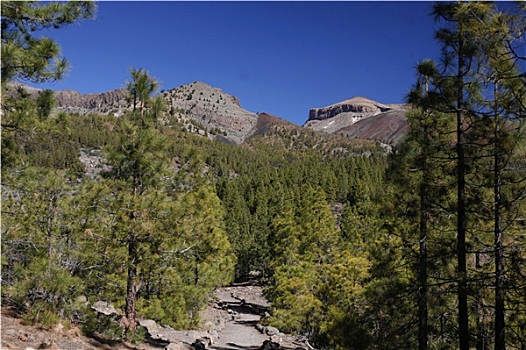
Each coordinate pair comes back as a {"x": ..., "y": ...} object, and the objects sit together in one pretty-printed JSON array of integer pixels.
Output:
[
  {"x": 211, "y": 109},
  {"x": 272, "y": 331},
  {"x": 104, "y": 308},
  {"x": 357, "y": 106},
  {"x": 159, "y": 333},
  {"x": 361, "y": 118},
  {"x": 262, "y": 329}
]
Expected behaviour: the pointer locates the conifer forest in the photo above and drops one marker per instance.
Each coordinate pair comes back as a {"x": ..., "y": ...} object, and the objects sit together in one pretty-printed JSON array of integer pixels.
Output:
[{"x": 420, "y": 246}]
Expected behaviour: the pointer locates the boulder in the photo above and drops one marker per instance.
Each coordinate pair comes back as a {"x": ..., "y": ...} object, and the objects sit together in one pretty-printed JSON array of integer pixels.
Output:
[
  {"x": 272, "y": 331},
  {"x": 158, "y": 333},
  {"x": 104, "y": 308},
  {"x": 262, "y": 329}
]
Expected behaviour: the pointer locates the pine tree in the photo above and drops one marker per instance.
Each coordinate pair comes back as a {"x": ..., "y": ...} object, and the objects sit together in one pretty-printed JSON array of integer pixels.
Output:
[
  {"x": 498, "y": 34},
  {"x": 418, "y": 162},
  {"x": 141, "y": 87},
  {"x": 168, "y": 226},
  {"x": 45, "y": 103},
  {"x": 139, "y": 162},
  {"x": 478, "y": 83},
  {"x": 456, "y": 88},
  {"x": 306, "y": 246},
  {"x": 426, "y": 70},
  {"x": 31, "y": 57}
]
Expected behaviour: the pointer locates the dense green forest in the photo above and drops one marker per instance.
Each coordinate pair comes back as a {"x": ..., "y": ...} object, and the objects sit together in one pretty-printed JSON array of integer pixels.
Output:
[{"x": 358, "y": 248}]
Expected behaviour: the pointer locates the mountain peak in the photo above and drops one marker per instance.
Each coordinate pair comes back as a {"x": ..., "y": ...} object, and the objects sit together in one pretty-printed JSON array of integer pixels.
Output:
[
  {"x": 209, "y": 108},
  {"x": 359, "y": 101},
  {"x": 342, "y": 115}
]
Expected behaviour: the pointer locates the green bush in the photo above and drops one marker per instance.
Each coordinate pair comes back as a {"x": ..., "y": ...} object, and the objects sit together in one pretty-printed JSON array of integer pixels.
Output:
[{"x": 48, "y": 291}]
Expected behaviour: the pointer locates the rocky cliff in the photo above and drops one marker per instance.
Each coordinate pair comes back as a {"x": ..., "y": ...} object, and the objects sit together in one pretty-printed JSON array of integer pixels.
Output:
[
  {"x": 356, "y": 107},
  {"x": 360, "y": 118},
  {"x": 110, "y": 102}
]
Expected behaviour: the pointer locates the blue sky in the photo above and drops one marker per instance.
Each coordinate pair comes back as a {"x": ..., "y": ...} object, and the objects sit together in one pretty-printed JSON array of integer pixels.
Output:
[{"x": 282, "y": 58}]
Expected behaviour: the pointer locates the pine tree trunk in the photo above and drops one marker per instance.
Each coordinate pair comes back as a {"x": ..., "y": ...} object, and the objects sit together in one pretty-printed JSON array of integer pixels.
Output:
[
  {"x": 196, "y": 271},
  {"x": 499, "y": 250},
  {"x": 482, "y": 343},
  {"x": 462, "y": 292},
  {"x": 422, "y": 285},
  {"x": 131, "y": 296},
  {"x": 422, "y": 257},
  {"x": 463, "y": 326}
]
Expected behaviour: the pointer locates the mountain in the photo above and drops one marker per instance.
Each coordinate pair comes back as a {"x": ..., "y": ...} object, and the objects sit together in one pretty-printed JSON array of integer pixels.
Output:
[
  {"x": 198, "y": 105},
  {"x": 206, "y": 110},
  {"x": 361, "y": 118}
]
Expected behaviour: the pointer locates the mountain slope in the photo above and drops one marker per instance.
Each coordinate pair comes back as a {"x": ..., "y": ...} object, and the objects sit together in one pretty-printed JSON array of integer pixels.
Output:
[
  {"x": 361, "y": 118},
  {"x": 388, "y": 127}
]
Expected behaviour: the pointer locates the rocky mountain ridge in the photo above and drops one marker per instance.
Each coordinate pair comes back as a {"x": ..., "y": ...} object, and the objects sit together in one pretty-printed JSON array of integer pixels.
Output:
[
  {"x": 209, "y": 111},
  {"x": 110, "y": 102},
  {"x": 357, "y": 105}
]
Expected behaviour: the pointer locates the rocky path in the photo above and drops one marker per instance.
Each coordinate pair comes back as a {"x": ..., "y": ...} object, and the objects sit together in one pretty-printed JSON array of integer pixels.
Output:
[
  {"x": 231, "y": 321},
  {"x": 238, "y": 310}
]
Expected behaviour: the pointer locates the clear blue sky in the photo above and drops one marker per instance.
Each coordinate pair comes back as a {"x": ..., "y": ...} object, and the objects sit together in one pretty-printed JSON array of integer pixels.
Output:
[{"x": 282, "y": 58}]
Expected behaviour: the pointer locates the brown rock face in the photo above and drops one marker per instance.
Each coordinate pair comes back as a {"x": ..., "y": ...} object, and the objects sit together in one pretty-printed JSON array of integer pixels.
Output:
[{"x": 388, "y": 128}]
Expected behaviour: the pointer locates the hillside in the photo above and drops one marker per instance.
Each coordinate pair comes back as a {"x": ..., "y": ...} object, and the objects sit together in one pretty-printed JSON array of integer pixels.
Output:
[
  {"x": 112, "y": 102},
  {"x": 388, "y": 127}
]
